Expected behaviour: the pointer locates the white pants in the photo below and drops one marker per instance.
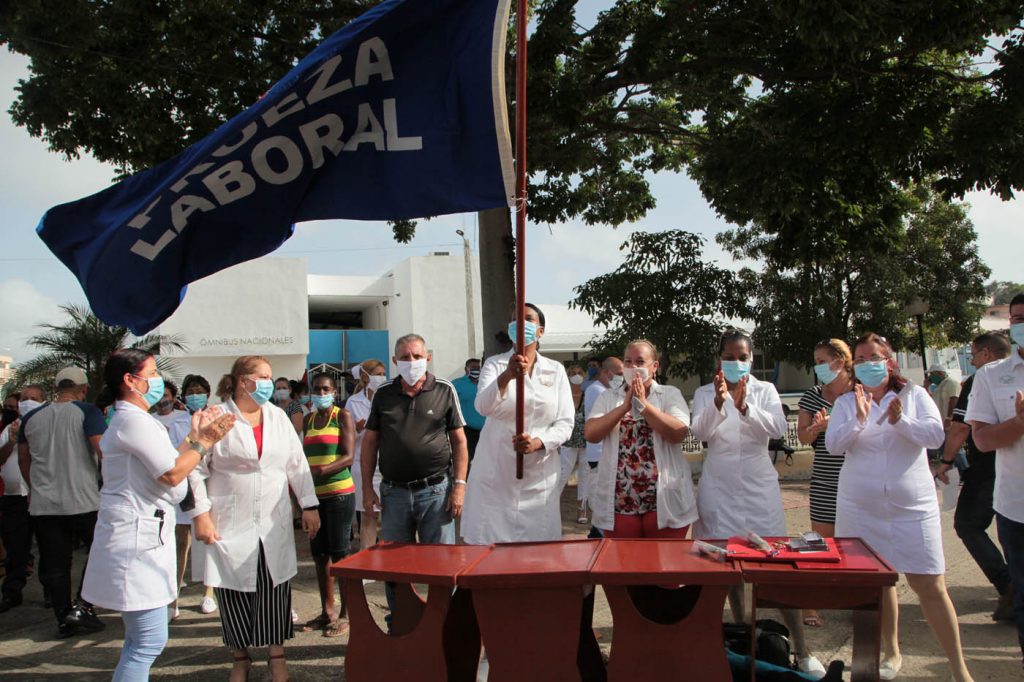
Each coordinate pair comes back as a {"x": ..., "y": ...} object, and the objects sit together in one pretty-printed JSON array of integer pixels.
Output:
[{"x": 574, "y": 458}]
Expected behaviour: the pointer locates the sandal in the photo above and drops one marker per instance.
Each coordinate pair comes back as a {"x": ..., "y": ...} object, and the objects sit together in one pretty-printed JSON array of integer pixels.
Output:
[
  {"x": 318, "y": 623},
  {"x": 278, "y": 657},
  {"x": 248, "y": 662},
  {"x": 814, "y": 621},
  {"x": 336, "y": 628}
]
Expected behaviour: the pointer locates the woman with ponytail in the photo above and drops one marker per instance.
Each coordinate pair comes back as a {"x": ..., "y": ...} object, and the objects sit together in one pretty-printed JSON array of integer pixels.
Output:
[
  {"x": 132, "y": 561},
  {"x": 243, "y": 515}
]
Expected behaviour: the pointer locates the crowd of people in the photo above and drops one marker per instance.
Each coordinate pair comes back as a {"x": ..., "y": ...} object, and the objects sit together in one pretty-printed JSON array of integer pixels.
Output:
[{"x": 161, "y": 473}]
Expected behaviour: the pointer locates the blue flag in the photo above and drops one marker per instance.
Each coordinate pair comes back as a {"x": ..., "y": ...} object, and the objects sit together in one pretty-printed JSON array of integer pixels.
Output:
[{"x": 400, "y": 114}]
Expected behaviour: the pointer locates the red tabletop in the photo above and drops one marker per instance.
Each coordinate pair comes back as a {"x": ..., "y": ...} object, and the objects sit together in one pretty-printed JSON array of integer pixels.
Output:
[
  {"x": 858, "y": 566},
  {"x": 411, "y": 563},
  {"x": 534, "y": 565},
  {"x": 657, "y": 562}
]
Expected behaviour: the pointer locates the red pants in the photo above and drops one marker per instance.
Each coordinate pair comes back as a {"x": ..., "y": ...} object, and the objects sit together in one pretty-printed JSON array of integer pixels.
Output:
[{"x": 644, "y": 526}]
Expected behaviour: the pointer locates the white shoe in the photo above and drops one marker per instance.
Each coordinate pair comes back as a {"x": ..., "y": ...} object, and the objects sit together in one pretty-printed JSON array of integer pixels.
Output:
[
  {"x": 811, "y": 667},
  {"x": 172, "y": 614},
  {"x": 208, "y": 605},
  {"x": 295, "y": 617},
  {"x": 889, "y": 669}
]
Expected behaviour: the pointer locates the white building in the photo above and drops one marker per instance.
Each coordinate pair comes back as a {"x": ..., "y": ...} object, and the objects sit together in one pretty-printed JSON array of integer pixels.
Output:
[{"x": 272, "y": 307}]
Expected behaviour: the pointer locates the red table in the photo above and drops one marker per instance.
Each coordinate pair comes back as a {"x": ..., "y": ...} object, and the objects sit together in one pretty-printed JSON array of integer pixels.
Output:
[
  {"x": 854, "y": 583},
  {"x": 435, "y": 640},
  {"x": 686, "y": 644},
  {"x": 535, "y": 619}
]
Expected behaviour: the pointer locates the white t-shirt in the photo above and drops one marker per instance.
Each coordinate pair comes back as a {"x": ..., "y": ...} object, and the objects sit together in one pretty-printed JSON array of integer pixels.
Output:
[
  {"x": 993, "y": 401},
  {"x": 178, "y": 423},
  {"x": 14, "y": 484},
  {"x": 590, "y": 397}
]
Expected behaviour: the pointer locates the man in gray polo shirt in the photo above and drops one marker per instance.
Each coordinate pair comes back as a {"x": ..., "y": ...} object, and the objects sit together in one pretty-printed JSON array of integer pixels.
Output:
[
  {"x": 58, "y": 452},
  {"x": 415, "y": 424}
]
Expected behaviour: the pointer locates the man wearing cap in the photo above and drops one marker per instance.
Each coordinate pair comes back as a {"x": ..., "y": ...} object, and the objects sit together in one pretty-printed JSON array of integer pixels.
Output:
[
  {"x": 58, "y": 452},
  {"x": 945, "y": 391}
]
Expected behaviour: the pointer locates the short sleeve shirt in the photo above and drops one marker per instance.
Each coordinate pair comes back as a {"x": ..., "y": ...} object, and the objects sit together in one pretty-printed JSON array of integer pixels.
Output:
[
  {"x": 64, "y": 471},
  {"x": 467, "y": 389},
  {"x": 413, "y": 431},
  {"x": 981, "y": 465},
  {"x": 948, "y": 388},
  {"x": 992, "y": 401}
]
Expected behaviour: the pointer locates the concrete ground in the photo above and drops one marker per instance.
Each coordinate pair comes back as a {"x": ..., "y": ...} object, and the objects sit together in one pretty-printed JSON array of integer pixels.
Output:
[{"x": 29, "y": 651}]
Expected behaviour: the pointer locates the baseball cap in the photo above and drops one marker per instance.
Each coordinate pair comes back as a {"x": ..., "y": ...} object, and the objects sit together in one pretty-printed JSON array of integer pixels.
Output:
[
  {"x": 71, "y": 375},
  {"x": 936, "y": 368}
]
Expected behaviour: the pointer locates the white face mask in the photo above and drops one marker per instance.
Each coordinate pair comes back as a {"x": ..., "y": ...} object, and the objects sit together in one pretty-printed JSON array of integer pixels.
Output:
[
  {"x": 376, "y": 381},
  {"x": 616, "y": 381},
  {"x": 629, "y": 373},
  {"x": 576, "y": 379},
  {"x": 26, "y": 406},
  {"x": 282, "y": 394},
  {"x": 412, "y": 370}
]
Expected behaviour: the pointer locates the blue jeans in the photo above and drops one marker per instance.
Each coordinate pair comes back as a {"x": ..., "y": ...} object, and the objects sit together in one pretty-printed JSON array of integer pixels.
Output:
[
  {"x": 406, "y": 515},
  {"x": 1011, "y": 537},
  {"x": 145, "y": 635}
]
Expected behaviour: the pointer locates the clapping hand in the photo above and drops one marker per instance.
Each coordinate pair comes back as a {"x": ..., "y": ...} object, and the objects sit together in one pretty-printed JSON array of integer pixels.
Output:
[
  {"x": 637, "y": 389},
  {"x": 740, "y": 397},
  {"x": 212, "y": 424},
  {"x": 721, "y": 390},
  {"x": 895, "y": 410},
  {"x": 863, "y": 402},
  {"x": 819, "y": 423}
]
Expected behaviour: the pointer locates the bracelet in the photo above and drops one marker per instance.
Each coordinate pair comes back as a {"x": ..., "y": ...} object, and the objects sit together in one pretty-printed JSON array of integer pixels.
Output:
[
  {"x": 197, "y": 446},
  {"x": 949, "y": 463},
  {"x": 458, "y": 481}
]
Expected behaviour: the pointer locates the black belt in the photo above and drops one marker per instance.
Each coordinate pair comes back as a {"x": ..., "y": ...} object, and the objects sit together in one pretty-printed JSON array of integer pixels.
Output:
[{"x": 419, "y": 484}]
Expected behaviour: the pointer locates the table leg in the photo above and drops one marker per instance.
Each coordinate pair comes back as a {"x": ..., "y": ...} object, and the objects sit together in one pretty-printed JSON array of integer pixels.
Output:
[{"x": 867, "y": 633}]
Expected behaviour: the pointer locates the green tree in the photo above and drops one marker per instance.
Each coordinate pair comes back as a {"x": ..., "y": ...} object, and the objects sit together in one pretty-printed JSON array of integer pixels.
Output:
[
  {"x": 865, "y": 282},
  {"x": 1003, "y": 292},
  {"x": 666, "y": 292},
  {"x": 85, "y": 341}
]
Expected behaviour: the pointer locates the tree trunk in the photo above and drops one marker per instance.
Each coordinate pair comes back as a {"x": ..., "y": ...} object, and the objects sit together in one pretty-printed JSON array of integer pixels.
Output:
[{"x": 497, "y": 275}]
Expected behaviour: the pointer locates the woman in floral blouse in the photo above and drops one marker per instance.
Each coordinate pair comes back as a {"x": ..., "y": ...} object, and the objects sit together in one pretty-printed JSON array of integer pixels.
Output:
[{"x": 644, "y": 486}]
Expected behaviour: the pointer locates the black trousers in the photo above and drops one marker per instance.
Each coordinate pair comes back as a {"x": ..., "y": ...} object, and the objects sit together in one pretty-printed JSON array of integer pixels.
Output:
[
  {"x": 55, "y": 536},
  {"x": 17, "y": 536},
  {"x": 472, "y": 438},
  {"x": 971, "y": 520}
]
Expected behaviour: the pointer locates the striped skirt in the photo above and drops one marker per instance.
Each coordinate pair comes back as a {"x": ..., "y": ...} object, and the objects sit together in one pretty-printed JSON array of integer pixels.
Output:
[{"x": 260, "y": 618}]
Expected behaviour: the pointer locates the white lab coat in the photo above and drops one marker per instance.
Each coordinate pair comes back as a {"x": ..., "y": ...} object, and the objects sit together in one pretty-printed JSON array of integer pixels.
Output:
[
  {"x": 677, "y": 505},
  {"x": 358, "y": 406},
  {"x": 498, "y": 507},
  {"x": 132, "y": 560},
  {"x": 886, "y": 491},
  {"x": 739, "y": 487},
  {"x": 247, "y": 497}
]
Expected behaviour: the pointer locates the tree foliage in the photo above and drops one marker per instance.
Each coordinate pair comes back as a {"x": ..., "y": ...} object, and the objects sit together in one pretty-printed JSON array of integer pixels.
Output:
[
  {"x": 666, "y": 292},
  {"x": 84, "y": 341},
  {"x": 865, "y": 283},
  {"x": 1003, "y": 292}
]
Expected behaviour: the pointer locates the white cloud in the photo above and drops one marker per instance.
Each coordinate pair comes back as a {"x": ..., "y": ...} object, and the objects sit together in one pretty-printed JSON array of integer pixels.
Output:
[{"x": 24, "y": 307}]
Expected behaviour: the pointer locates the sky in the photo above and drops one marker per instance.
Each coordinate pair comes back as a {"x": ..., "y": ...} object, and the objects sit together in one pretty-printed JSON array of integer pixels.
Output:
[{"x": 33, "y": 283}]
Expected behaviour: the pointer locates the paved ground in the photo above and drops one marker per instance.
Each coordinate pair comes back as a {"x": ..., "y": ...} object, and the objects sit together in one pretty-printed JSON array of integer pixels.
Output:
[{"x": 28, "y": 650}]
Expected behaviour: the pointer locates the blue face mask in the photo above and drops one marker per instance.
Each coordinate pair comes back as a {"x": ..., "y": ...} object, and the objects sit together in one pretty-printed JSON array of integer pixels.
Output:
[
  {"x": 734, "y": 370},
  {"x": 825, "y": 373},
  {"x": 264, "y": 391},
  {"x": 155, "y": 393},
  {"x": 323, "y": 402},
  {"x": 1017, "y": 333},
  {"x": 872, "y": 374},
  {"x": 196, "y": 401},
  {"x": 529, "y": 332}
]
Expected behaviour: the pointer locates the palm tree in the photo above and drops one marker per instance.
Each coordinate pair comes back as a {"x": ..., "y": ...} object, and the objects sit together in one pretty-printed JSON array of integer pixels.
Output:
[{"x": 86, "y": 341}]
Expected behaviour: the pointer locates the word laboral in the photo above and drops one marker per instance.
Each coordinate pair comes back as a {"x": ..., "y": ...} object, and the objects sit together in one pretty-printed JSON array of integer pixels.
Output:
[{"x": 279, "y": 159}]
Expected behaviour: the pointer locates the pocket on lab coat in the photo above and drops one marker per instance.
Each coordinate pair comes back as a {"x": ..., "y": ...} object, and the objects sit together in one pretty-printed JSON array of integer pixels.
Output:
[
  {"x": 147, "y": 535},
  {"x": 222, "y": 512},
  {"x": 1005, "y": 402}
]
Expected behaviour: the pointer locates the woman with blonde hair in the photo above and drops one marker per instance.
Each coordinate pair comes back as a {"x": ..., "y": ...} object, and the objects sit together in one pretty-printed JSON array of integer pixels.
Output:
[
  {"x": 887, "y": 495},
  {"x": 244, "y": 516},
  {"x": 833, "y": 366},
  {"x": 371, "y": 377}
]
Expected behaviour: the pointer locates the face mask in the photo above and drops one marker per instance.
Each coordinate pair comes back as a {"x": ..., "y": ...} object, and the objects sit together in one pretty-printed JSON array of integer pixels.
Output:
[
  {"x": 616, "y": 381},
  {"x": 164, "y": 405},
  {"x": 734, "y": 370},
  {"x": 529, "y": 332},
  {"x": 282, "y": 394},
  {"x": 26, "y": 406},
  {"x": 323, "y": 402},
  {"x": 576, "y": 379},
  {"x": 629, "y": 373},
  {"x": 872, "y": 374},
  {"x": 825, "y": 373},
  {"x": 473, "y": 374},
  {"x": 264, "y": 389},
  {"x": 376, "y": 381},
  {"x": 155, "y": 393},
  {"x": 412, "y": 370},
  {"x": 1017, "y": 333},
  {"x": 196, "y": 401},
  {"x": 304, "y": 399},
  {"x": 591, "y": 372}
]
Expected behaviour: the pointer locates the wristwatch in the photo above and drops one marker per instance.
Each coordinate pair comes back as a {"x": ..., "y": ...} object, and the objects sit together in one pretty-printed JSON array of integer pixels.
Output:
[
  {"x": 948, "y": 463},
  {"x": 197, "y": 446}
]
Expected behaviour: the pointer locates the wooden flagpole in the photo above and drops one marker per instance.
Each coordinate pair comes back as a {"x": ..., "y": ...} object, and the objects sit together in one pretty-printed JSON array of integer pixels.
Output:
[{"x": 521, "y": 21}]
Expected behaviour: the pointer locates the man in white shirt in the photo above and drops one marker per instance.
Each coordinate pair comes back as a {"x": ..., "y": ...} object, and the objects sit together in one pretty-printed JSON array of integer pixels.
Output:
[{"x": 996, "y": 416}]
